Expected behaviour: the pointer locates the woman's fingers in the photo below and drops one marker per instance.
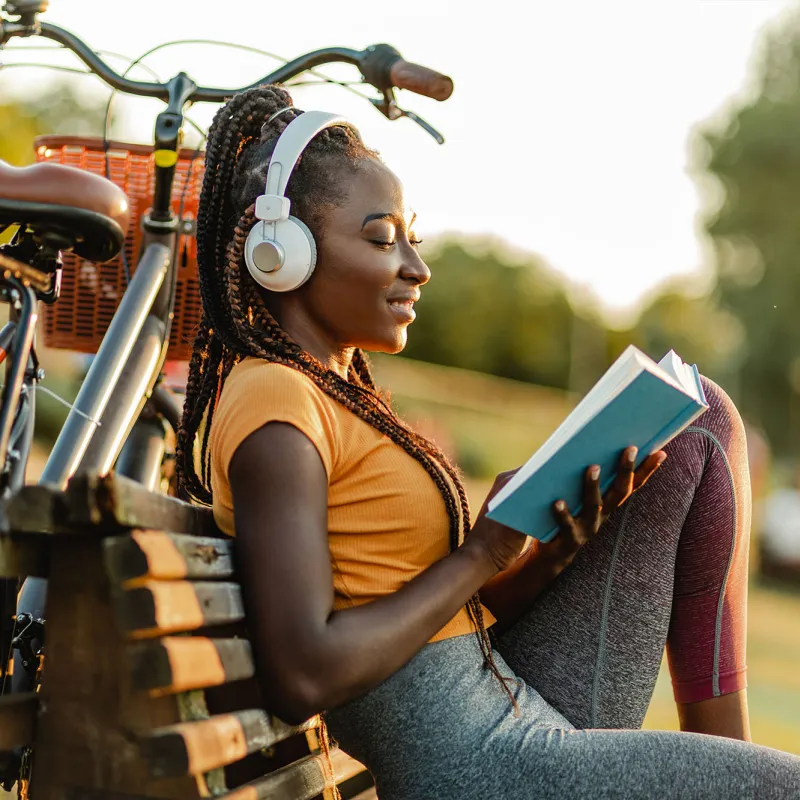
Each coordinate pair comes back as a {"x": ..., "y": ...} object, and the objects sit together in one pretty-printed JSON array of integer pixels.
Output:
[
  {"x": 592, "y": 500},
  {"x": 648, "y": 467},
  {"x": 567, "y": 525},
  {"x": 623, "y": 484},
  {"x": 595, "y": 507},
  {"x": 499, "y": 482}
]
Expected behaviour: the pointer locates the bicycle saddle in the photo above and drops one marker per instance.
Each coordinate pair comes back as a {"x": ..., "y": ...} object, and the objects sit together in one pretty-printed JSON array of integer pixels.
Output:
[{"x": 69, "y": 208}]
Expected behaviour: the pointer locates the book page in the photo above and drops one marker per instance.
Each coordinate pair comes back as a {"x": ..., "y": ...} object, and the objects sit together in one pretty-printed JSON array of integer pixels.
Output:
[{"x": 674, "y": 366}]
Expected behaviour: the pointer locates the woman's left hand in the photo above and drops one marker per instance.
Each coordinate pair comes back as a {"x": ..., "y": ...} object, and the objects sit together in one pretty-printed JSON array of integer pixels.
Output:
[
  {"x": 574, "y": 532},
  {"x": 513, "y": 590}
]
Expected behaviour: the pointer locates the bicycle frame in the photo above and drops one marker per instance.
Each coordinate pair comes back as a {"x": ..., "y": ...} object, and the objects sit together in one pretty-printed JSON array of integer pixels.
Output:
[
  {"x": 18, "y": 404},
  {"x": 122, "y": 373}
]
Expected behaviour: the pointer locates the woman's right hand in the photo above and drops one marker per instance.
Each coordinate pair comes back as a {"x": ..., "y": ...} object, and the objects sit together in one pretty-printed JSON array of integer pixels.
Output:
[{"x": 498, "y": 542}]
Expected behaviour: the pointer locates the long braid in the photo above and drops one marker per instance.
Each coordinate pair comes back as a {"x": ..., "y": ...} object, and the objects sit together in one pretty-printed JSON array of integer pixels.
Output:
[{"x": 237, "y": 322}]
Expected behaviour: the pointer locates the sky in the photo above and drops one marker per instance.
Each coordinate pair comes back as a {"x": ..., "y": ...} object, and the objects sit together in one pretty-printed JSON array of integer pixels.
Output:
[{"x": 569, "y": 133}]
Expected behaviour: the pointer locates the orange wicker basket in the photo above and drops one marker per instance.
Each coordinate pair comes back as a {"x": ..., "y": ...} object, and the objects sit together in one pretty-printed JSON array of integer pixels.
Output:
[{"x": 90, "y": 292}]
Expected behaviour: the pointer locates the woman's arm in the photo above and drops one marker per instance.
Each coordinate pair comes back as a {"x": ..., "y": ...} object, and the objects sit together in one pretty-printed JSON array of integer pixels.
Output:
[{"x": 310, "y": 657}]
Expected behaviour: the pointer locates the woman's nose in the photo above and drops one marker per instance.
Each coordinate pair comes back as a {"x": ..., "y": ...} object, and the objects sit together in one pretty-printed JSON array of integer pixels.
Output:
[{"x": 414, "y": 268}]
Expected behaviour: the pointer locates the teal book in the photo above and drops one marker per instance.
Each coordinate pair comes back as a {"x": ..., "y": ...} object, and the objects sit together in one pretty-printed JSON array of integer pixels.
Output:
[{"x": 637, "y": 402}]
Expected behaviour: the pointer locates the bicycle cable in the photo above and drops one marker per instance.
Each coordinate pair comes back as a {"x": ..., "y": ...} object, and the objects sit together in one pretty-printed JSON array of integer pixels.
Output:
[{"x": 60, "y": 47}]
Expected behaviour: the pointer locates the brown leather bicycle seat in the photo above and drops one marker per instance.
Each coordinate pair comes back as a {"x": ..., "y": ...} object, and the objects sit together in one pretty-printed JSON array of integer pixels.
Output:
[{"x": 91, "y": 211}]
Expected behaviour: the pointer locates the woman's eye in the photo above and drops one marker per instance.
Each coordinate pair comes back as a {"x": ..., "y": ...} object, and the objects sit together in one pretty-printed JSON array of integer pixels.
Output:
[
  {"x": 382, "y": 243},
  {"x": 415, "y": 242}
]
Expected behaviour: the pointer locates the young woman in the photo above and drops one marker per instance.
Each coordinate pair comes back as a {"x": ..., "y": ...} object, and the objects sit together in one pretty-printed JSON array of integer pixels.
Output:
[{"x": 370, "y": 594}]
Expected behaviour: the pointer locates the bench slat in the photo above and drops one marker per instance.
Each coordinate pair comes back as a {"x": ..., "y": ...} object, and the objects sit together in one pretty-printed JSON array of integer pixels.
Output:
[
  {"x": 155, "y": 555},
  {"x": 160, "y": 607},
  {"x": 192, "y": 748},
  {"x": 181, "y": 663},
  {"x": 36, "y": 508},
  {"x": 115, "y": 501},
  {"x": 17, "y": 719},
  {"x": 345, "y": 766},
  {"x": 303, "y": 780},
  {"x": 24, "y": 555}
]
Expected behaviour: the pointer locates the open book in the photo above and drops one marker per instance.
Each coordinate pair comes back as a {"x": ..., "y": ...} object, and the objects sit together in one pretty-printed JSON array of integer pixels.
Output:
[{"x": 637, "y": 402}]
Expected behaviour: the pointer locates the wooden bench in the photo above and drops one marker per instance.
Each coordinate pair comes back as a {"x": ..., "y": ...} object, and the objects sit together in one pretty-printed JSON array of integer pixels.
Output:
[{"x": 147, "y": 686}]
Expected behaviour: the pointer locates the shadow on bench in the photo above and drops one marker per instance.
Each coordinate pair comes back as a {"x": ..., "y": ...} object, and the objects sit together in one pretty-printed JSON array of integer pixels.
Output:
[{"x": 147, "y": 685}]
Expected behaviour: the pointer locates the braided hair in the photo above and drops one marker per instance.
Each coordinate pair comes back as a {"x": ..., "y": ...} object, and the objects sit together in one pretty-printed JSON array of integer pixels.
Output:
[{"x": 236, "y": 322}]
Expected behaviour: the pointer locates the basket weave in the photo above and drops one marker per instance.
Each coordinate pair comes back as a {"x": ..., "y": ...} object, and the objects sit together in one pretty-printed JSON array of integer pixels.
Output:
[{"x": 90, "y": 292}]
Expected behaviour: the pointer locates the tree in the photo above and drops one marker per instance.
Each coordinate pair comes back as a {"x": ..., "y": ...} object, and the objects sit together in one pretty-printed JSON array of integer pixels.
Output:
[
  {"x": 755, "y": 158},
  {"x": 483, "y": 312}
]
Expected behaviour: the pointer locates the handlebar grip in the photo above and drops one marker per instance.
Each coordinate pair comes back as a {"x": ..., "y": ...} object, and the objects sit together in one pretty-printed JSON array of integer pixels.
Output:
[{"x": 415, "y": 78}]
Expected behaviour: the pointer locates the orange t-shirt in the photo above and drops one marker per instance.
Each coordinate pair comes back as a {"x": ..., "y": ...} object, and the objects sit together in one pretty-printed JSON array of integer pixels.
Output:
[{"x": 387, "y": 521}]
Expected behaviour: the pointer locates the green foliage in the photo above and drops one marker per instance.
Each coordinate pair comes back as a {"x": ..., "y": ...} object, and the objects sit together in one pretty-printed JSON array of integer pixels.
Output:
[
  {"x": 756, "y": 236},
  {"x": 482, "y": 313},
  {"x": 695, "y": 327}
]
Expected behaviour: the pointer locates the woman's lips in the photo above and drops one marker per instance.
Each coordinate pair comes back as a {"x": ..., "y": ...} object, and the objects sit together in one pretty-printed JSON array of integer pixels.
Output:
[{"x": 404, "y": 309}]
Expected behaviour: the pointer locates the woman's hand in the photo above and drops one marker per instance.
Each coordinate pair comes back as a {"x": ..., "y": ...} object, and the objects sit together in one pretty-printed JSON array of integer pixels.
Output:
[
  {"x": 574, "y": 532},
  {"x": 512, "y": 591},
  {"x": 500, "y": 543}
]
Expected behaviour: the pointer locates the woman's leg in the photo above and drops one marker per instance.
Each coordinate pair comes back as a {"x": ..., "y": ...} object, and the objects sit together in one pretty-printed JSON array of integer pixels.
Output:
[
  {"x": 592, "y": 643},
  {"x": 442, "y": 727}
]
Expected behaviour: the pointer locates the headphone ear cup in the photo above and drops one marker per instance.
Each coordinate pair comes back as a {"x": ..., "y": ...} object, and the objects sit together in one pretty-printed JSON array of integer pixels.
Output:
[
  {"x": 293, "y": 251},
  {"x": 307, "y": 258}
]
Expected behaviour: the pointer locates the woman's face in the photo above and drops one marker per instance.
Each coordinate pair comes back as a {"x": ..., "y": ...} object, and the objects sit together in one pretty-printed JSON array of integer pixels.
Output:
[{"x": 368, "y": 274}]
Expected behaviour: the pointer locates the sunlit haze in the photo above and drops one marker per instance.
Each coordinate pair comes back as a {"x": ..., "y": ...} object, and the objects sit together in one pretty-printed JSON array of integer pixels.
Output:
[{"x": 568, "y": 134}]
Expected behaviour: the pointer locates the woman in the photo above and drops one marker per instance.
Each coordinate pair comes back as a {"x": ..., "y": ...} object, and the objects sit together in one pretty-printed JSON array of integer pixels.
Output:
[{"x": 351, "y": 530}]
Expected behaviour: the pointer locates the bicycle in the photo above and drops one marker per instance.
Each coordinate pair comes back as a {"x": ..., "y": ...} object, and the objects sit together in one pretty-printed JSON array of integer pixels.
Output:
[{"x": 69, "y": 224}]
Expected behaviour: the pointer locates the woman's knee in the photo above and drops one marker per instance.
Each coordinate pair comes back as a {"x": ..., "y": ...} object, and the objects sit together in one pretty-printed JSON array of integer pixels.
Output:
[{"x": 722, "y": 418}]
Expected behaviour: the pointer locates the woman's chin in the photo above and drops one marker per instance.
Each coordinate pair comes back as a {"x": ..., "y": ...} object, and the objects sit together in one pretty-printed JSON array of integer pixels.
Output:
[{"x": 391, "y": 344}]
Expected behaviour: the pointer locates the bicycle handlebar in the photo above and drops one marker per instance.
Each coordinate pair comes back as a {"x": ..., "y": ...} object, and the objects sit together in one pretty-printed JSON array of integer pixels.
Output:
[
  {"x": 381, "y": 65},
  {"x": 421, "y": 80}
]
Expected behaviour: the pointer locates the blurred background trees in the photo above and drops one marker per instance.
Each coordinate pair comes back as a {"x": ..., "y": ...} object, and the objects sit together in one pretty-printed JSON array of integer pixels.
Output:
[
  {"x": 61, "y": 108},
  {"x": 755, "y": 157}
]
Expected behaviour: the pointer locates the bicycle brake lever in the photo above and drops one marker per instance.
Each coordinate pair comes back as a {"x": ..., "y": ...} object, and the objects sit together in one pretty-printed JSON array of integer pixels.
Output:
[
  {"x": 426, "y": 126},
  {"x": 387, "y": 105}
]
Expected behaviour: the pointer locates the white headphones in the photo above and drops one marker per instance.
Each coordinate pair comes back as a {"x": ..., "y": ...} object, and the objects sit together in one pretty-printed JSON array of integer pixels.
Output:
[{"x": 280, "y": 251}]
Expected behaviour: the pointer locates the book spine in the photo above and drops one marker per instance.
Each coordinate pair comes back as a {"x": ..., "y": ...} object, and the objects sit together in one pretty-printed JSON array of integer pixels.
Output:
[{"x": 701, "y": 393}]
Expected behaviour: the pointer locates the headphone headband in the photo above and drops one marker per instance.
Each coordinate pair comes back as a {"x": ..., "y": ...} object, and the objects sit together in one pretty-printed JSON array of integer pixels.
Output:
[{"x": 294, "y": 138}]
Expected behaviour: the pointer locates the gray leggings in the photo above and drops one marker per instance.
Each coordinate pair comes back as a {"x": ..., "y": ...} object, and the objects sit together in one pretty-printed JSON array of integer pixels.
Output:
[{"x": 667, "y": 569}]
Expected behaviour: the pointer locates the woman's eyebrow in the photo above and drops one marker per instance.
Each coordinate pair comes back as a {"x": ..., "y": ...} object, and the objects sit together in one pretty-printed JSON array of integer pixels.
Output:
[{"x": 384, "y": 215}]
